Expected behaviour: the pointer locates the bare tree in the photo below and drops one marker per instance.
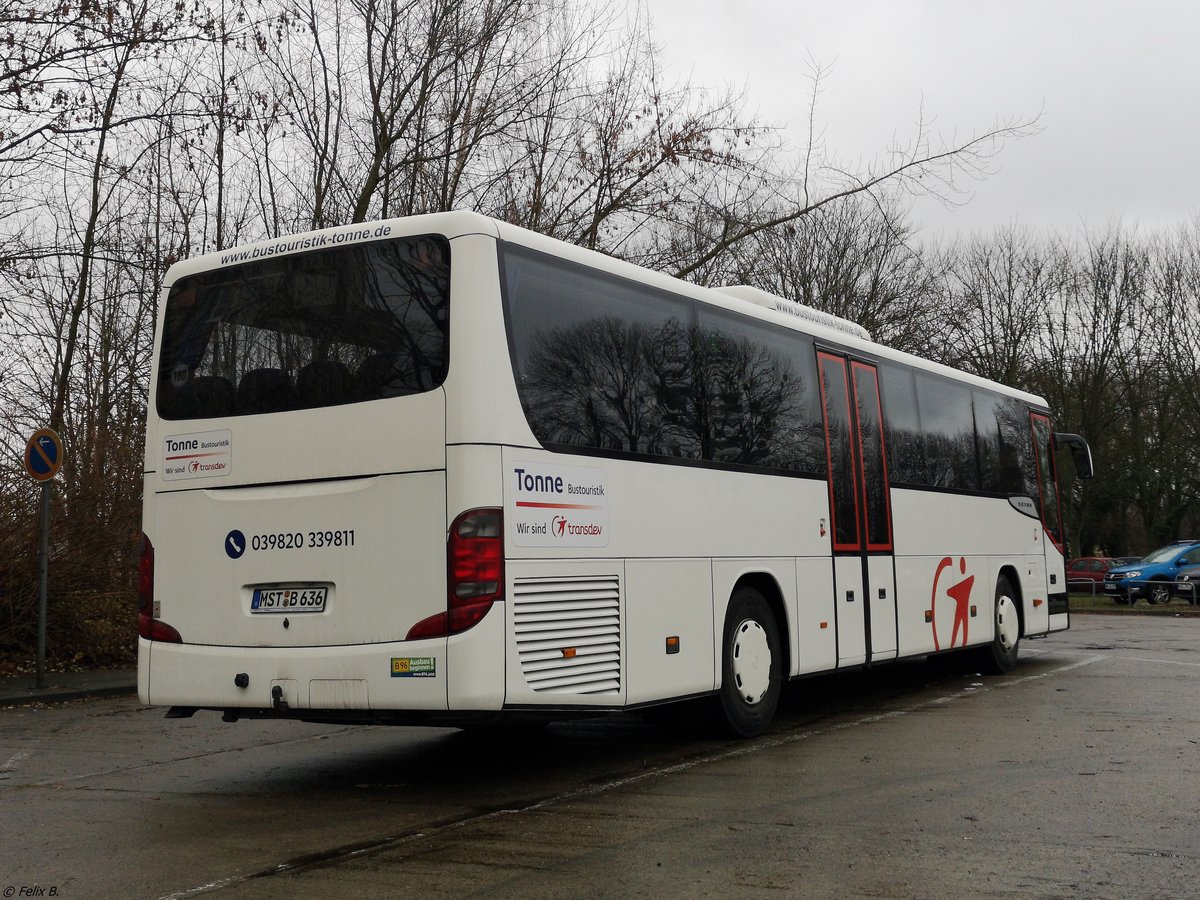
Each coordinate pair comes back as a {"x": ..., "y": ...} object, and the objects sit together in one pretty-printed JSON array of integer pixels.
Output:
[
  {"x": 857, "y": 259},
  {"x": 1001, "y": 290},
  {"x": 924, "y": 164},
  {"x": 81, "y": 302}
]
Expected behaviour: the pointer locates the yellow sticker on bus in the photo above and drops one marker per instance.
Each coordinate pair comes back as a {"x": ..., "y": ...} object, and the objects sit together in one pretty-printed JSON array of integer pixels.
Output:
[{"x": 414, "y": 667}]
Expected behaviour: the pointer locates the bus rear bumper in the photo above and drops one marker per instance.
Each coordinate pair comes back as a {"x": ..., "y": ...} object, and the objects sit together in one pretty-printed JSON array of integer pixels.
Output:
[{"x": 295, "y": 682}]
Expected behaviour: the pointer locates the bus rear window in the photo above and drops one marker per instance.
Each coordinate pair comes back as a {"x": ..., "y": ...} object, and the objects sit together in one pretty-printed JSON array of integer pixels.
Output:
[{"x": 308, "y": 330}]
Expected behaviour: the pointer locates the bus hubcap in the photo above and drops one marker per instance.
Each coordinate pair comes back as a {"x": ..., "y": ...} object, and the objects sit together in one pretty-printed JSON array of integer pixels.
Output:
[
  {"x": 751, "y": 661},
  {"x": 1008, "y": 628}
]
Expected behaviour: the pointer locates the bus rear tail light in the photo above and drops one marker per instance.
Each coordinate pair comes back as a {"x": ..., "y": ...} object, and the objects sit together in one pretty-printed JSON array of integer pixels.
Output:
[
  {"x": 148, "y": 626},
  {"x": 475, "y": 574}
]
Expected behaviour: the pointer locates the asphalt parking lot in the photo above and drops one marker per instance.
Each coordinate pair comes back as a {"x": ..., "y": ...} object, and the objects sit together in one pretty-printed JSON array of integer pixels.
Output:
[{"x": 1075, "y": 775}]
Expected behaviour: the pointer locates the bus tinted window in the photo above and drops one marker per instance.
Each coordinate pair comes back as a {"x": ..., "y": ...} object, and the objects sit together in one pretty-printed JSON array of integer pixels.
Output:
[
  {"x": 845, "y": 506},
  {"x": 756, "y": 397},
  {"x": 1044, "y": 453},
  {"x": 1017, "y": 438},
  {"x": 949, "y": 427},
  {"x": 955, "y": 437},
  {"x": 315, "y": 329},
  {"x": 608, "y": 364},
  {"x": 902, "y": 425},
  {"x": 599, "y": 364},
  {"x": 1006, "y": 462},
  {"x": 870, "y": 437}
]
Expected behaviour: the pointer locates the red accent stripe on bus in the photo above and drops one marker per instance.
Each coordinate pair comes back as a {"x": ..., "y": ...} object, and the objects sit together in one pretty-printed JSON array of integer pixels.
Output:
[{"x": 534, "y": 505}]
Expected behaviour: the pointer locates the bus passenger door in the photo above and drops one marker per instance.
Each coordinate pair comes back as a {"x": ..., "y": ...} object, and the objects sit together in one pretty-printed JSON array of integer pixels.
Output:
[
  {"x": 1051, "y": 580},
  {"x": 859, "y": 510}
]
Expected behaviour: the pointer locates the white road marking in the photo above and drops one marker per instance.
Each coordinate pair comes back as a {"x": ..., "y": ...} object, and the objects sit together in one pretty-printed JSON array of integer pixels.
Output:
[
  {"x": 11, "y": 765},
  {"x": 1165, "y": 662}
]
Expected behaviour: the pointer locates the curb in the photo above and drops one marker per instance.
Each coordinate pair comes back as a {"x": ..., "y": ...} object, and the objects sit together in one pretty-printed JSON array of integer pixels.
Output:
[{"x": 62, "y": 695}]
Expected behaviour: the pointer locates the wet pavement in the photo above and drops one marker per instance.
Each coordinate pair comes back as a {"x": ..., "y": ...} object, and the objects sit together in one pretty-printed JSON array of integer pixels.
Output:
[{"x": 1074, "y": 775}]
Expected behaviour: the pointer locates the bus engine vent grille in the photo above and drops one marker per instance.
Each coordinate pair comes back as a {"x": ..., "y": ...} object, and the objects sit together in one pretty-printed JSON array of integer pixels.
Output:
[{"x": 569, "y": 633}]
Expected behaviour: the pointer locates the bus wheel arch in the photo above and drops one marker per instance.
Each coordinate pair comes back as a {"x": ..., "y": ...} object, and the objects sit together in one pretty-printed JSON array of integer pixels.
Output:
[{"x": 753, "y": 657}]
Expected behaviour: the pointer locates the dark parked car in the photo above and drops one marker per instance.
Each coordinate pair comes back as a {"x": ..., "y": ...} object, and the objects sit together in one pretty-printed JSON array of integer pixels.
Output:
[
  {"x": 1187, "y": 584},
  {"x": 1153, "y": 576}
]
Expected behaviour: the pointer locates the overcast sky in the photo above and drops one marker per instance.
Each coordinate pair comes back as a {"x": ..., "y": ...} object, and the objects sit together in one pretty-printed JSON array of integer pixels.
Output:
[{"x": 1117, "y": 83}]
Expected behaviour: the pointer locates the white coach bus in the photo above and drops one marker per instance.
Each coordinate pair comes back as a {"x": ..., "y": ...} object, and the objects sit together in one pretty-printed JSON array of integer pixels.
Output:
[{"x": 445, "y": 470}]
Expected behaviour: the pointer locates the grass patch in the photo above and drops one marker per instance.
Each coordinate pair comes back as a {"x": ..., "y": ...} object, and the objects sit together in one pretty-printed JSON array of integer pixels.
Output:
[{"x": 1087, "y": 603}]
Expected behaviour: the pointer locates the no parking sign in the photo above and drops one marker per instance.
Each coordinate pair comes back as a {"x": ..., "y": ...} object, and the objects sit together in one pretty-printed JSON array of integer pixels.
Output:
[{"x": 43, "y": 454}]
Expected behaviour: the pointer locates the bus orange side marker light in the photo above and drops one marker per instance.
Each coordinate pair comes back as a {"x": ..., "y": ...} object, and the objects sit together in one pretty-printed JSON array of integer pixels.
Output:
[
  {"x": 1036, "y": 602},
  {"x": 568, "y": 652},
  {"x": 929, "y": 615},
  {"x": 673, "y": 644},
  {"x": 824, "y": 624},
  {"x": 974, "y": 611}
]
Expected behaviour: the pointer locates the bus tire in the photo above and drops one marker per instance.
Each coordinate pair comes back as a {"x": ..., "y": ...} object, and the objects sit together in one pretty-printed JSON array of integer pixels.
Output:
[
  {"x": 1000, "y": 655},
  {"x": 751, "y": 664}
]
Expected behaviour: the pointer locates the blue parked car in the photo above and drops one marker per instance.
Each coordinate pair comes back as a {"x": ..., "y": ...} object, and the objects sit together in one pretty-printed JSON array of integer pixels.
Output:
[{"x": 1153, "y": 576}]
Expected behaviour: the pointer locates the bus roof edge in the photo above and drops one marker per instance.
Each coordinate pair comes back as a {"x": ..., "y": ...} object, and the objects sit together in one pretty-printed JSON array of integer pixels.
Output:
[{"x": 792, "y": 308}]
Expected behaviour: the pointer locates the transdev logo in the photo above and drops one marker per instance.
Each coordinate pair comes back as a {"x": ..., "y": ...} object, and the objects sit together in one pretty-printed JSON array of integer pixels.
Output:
[{"x": 562, "y": 527}]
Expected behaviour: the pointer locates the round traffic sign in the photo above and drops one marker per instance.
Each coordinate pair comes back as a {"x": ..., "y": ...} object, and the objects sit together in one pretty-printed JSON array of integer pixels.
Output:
[{"x": 43, "y": 454}]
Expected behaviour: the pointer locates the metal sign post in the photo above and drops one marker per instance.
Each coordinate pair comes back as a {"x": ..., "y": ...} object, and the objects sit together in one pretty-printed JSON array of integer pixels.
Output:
[
  {"x": 43, "y": 578},
  {"x": 43, "y": 459}
]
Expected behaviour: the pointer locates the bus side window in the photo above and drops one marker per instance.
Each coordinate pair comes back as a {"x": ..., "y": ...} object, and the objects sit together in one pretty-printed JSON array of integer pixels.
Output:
[
  {"x": 1044, "y": 449},
  {"x": 948, "y": 426},
  {"x": 902, "y": 425},
  {"x": 1017, "y": 473}
]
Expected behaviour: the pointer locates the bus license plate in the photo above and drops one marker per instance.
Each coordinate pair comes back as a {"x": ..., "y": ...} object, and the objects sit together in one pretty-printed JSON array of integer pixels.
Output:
[{"x": 289, "y": 600}]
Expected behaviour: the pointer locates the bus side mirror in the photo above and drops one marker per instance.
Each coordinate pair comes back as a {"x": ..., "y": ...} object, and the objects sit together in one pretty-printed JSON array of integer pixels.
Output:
[{"x": 1081, "y": 453}]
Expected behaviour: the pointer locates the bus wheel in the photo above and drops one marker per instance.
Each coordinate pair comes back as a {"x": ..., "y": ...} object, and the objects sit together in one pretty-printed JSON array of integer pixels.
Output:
[
  {"x": 751, "y": 666},
  {"x": 1000, "y": 655}
]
